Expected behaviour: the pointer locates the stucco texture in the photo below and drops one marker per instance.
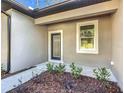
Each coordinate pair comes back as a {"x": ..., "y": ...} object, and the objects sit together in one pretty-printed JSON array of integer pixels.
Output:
[
  {"x": 103, "y": 58},
  {"x": 117, "y": 43},
  {"x": 4, "y": 41},
  {"x": 28, "y": 42}
]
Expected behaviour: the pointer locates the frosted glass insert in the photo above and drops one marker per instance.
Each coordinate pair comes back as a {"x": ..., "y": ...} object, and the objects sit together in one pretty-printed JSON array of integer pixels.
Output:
[{"x": 56, "y": 46}]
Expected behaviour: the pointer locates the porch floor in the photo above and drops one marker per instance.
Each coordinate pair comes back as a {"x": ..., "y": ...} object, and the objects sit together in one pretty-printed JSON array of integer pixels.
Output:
[{"x": 12, "y": 81}]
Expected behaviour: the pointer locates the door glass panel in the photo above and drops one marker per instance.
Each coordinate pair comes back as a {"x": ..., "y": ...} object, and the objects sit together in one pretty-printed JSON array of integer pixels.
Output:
[{"x": 56, "y": 46}]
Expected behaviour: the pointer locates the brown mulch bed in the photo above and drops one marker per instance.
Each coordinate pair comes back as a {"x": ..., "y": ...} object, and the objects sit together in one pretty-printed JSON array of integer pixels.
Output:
[{"x": 64, "y": 83}]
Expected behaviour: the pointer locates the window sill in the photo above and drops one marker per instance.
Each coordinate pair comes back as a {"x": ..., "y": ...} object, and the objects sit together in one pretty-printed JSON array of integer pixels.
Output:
[{"x": 87, "y": 51}]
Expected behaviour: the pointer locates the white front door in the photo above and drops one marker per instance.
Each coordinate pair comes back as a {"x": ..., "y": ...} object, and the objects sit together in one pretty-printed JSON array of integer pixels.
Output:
[{"x": 55, "y": 46}]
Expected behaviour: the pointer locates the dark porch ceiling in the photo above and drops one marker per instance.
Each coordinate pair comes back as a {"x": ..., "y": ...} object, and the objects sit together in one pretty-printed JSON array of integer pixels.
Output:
[{"x": 61, "y": 7}]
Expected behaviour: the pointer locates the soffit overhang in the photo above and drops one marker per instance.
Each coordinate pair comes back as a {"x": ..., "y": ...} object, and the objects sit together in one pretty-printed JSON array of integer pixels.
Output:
[{"x": 61, "y": 7}]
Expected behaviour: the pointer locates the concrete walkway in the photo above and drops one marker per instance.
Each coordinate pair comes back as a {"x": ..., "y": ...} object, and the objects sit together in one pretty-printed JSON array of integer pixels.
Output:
[{"x": 13, "y": 81}]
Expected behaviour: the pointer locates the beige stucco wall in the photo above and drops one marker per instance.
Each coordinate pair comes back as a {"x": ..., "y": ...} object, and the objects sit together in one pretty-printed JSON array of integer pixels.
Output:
[
  {"x": 28, "y": 42},
  {"x": 117, "y": 43},
  {"x": 110, "y": 42},
  {"x": 69, "y": 42},
  {"x": 4, "y": 41}
]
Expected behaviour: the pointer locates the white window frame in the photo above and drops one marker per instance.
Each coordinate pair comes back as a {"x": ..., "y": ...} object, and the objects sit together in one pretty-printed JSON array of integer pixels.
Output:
[{"x": 82, "y": 50}]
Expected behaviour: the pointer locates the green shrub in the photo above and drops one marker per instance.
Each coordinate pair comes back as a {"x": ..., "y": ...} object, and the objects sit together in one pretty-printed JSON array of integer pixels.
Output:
[
  {"x": 3, "y": 69},
  {"x": 101, "y": 74},
  {"x": 60, "y": 68},
  {"x": 76, "y": 71},
  {"x": 50, "y": 67}
]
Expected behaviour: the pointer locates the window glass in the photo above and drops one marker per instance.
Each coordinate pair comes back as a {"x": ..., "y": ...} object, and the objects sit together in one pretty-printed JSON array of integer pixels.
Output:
[{"x": 87, "y": 36}]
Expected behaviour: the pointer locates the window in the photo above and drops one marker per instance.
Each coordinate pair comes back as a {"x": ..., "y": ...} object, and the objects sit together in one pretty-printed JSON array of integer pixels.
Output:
[{"x": 87, "y": 37}]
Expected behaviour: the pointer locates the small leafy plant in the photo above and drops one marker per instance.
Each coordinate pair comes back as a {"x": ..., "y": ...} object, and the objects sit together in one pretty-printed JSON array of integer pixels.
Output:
[
  {"x": 60, "y": 68},
  {"x": 50, "y": 67},
  {"x": 76, "y": 71},
  {"x": 101, "y": 74},
  {"x": 2, "y": 67}
]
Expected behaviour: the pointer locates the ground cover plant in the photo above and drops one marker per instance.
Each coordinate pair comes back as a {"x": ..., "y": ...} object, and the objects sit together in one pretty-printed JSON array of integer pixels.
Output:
[
  {"x": 101, "y": 74},
  {"x": 3, "y": 72},
  {"x": 76, "y": 71},
  {"x": 60, "y": 81},
  {"x": 50, "y": 67},
  {"x": 60, "y": 68}
]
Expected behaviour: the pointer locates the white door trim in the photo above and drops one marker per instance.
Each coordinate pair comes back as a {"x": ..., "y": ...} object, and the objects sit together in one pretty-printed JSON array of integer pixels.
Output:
[{"x": 49, "y": 46}]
